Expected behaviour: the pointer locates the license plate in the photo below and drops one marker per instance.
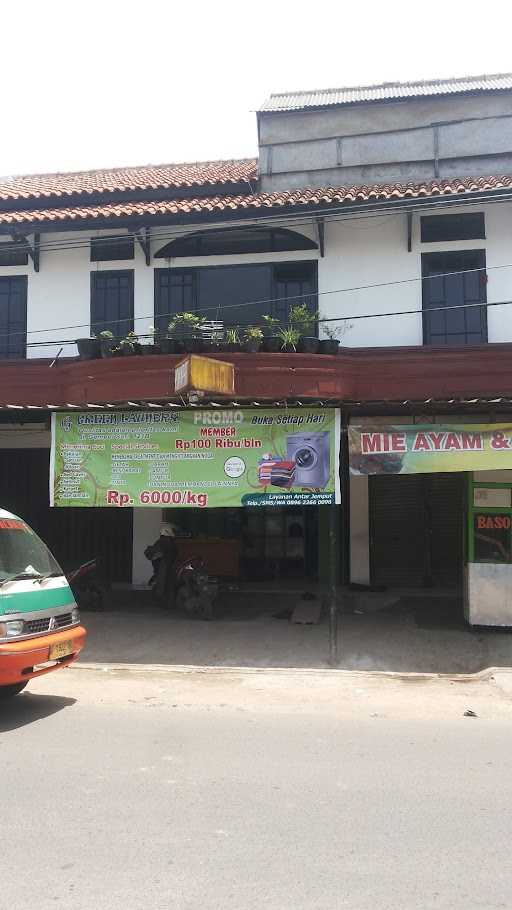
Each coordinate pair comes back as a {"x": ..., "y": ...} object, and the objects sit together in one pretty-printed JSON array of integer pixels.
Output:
[{"x": 61, "y": 649}]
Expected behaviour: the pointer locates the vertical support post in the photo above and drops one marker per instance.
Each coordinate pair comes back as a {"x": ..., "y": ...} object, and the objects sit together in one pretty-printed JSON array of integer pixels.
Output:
[
  {"x": 409, "y": 232},
  {"x": 333, "y": 606}
]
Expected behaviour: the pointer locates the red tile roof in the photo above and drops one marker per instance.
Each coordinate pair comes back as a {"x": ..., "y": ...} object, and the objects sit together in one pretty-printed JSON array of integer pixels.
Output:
[
  {"x": 253, "y": 202},
  {"x": 150, "y": 177}
]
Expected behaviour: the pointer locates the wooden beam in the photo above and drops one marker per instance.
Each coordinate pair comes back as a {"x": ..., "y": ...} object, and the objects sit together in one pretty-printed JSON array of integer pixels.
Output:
[
  {"x": 144, "y": 239},
  {"x": 320, "y": 226},
  {"x": 31, "y": 248}
]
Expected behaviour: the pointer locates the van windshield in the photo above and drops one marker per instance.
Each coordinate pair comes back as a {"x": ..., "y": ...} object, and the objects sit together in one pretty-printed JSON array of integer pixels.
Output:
[{"x": 22, "y": 553}]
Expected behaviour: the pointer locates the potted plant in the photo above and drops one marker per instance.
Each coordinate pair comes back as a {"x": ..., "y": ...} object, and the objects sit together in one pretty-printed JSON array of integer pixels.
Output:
[
  {"x": 233, "y": 340},
  {"x": 107, "y": 343},
  {"x": 217, "y": 341},
  {"x": 185, "y": 332},
  {"x": 289, "y": 338},
  {"x": 88, "y": 348},
  {"x": 253, "y": 337},
  {"x": 271, "y": 339},
  {"x": 302, "y": 319},
  {"x": 150, "y": 345},
  {"x": 130, "y": 345},
  {"x": 330, "y": 344}
]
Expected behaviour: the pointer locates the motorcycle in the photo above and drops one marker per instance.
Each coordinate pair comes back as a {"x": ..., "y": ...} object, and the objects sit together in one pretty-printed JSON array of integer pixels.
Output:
[
  {"x": 88, "y": 590},
  {"x": 182, "y": 584}
]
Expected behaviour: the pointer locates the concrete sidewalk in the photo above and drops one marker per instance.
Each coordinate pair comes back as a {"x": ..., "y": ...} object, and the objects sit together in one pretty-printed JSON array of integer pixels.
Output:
[{"x": 375, "y": 641}]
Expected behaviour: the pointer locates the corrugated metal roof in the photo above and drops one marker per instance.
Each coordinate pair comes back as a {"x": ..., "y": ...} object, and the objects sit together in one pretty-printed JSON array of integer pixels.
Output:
[{"x": 386, "y": 91}]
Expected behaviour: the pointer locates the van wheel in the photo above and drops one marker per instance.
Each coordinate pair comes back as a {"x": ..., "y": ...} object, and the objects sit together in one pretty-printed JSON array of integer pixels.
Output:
[{"x": 10, "y": 691}]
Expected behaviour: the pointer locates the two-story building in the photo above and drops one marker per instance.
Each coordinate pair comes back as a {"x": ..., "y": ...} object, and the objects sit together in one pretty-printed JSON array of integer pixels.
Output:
[{"x": 387, "y": 209}]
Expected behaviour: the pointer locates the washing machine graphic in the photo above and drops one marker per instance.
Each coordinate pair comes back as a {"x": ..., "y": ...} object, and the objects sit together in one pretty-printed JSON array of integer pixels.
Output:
[{"x": 311, "y": 454}]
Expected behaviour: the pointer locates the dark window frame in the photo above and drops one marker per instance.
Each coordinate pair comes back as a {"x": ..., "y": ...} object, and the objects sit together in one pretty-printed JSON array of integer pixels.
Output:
[
  {"x": 195, "y": 272},
  {"x": 12, "y": 254},
  {"x": 429, "y": 337},
  {"x": 118, "y": 326},
  {"x": 451, "y": 228},
  {"x": 14, "y": 346},
  {"x": 258, "y": 240},
  {"x": 112, "y": 248}
]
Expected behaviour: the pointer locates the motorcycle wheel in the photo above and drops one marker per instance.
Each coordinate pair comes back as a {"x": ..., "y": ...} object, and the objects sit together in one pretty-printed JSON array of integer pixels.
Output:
[{"x": 194, "y": 605}]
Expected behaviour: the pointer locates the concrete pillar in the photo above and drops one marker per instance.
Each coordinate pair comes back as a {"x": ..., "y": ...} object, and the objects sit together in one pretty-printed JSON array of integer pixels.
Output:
[
  {"x": 146, "y": 529},
  {"x": 359, "y": 531}
]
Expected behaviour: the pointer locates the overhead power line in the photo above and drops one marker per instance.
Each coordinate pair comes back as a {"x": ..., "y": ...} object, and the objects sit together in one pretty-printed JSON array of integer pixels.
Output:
[
  {"x": 273, "y": 300},
  {"x": 437, "y": 309},
  {"x": 331, "y": 212}
]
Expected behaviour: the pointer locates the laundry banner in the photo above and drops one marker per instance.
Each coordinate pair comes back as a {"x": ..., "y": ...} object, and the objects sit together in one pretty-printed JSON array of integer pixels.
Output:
[
  {"x": 196, "y": 459},
  {"x": 402, "y": 449}
]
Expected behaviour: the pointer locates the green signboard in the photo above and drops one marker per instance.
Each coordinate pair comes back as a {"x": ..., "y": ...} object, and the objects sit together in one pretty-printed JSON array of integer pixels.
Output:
[
  {"x": 429, "y": 449},
  {"x": 197, "y": 458}
]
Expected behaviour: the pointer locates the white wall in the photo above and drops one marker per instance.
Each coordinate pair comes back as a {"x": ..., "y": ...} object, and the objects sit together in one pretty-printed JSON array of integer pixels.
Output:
[
  {"x": 373, "y": 251},
  {"x": 366, "y": 270}
]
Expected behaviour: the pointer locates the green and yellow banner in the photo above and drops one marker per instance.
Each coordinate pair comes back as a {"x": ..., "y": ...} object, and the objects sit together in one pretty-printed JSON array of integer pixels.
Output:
[
  {"x": 429, "y": 449},
  {"x": 197, "y": 458}
]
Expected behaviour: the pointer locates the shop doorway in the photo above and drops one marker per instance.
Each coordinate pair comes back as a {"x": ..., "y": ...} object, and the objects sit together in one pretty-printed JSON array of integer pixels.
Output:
[
  {"x": 259, "y": 544},
  {"x": 74, "y": 535},
  {"x": 417, "y": 530}
]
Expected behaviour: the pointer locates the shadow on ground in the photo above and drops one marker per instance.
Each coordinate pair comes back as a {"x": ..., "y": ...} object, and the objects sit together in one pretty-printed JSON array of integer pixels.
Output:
[
  {"x": 397, "y": 633},
  {"x": 27, "y": 708}
]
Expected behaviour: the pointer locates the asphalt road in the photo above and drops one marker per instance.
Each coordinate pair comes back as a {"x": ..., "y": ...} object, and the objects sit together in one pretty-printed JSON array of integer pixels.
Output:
[{"x": 133, "y": 791}]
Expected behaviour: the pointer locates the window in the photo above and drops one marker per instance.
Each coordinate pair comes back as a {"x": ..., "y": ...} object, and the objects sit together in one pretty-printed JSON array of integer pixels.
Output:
[
  {"x": 238, "y": 294},
  {"x": 235, "y": 241},
  {"x": 13, "y": 254},
  {"x": 13, "y": 316},
  {"x": 107, "y": 249},
  {"x": 294, "y": 283},
  {"x": 450, "y": 281},
  {"x": 175, "y": 292},
  {"x": 112, "y": 302},
  {"x": 435, "y": 228}
]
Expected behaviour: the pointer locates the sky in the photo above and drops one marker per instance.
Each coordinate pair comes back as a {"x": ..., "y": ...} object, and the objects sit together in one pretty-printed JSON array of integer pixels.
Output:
[{"x": 105, "y": 84}]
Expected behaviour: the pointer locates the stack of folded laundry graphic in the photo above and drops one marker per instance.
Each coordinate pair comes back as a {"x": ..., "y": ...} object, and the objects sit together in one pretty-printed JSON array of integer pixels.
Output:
[{"x": 277, "y": 472}]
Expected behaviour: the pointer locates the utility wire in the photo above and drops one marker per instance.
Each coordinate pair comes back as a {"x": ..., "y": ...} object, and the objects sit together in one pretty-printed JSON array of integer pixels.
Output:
[
  {"x": 437, "y": 309},
  {"x": 273, "y": 300},
  {"x": 330, "y": 212}
]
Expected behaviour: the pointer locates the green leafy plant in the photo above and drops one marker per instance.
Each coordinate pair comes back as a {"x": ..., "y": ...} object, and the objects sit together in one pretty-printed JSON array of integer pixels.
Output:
[
  {"x": 301, "y": 318},
  {"x": 270, "y": 326},
  {"x": 233, "y": 335},
  {"x": 289, "y": 337},
  {"x": 130, "y": 340},
  {"x": 335, "y": 331},
  {"x": 253, "y": 333},
  {"x": 183, "y": 324},
  {"x": 107, "y": 334}
]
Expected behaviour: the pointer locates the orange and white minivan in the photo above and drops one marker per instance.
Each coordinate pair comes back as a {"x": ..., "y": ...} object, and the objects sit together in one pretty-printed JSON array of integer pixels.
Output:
[{"x": 40, "y": 628}]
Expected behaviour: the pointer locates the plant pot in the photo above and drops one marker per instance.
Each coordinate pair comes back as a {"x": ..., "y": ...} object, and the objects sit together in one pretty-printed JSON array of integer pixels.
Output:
[
  {"x": 272, "y": 345},
  {"x": 127, "y": 350},
  {"x": 308, "y": 344},
  {"x": 233, "y": 347},
  {"x": 146, "y": 349},
  {"x": 88, "y": 348},
  {"x": 107, "y": 346},
  {"x": 252, "y": 345},
  {"x": 288, "y": 349},
  {"x": 166, "y": 345},
  {"x": 193, "y": 345},
  {"x": 329, "y": 346}
]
